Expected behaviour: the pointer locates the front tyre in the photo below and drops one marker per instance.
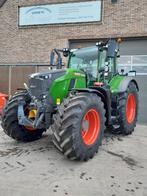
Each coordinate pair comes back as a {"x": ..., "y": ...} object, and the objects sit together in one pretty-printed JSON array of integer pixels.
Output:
[
  {"x": 79, "y": 126},
  {"x": 10, "y": 120}
]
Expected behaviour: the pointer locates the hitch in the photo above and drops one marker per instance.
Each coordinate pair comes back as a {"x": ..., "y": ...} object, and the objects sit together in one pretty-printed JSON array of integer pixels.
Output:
[{"x": 23, "y": 120}]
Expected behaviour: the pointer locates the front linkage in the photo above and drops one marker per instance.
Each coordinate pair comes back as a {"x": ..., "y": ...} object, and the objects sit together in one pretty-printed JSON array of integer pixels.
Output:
[{"x": 23, "y": 120}]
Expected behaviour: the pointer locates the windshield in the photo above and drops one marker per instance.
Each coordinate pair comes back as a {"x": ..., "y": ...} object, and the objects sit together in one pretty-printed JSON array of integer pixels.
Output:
[{"x": 85, "y": 59}]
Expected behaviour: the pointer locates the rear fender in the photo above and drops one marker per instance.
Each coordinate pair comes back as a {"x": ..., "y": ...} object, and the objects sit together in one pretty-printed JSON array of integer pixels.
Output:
[
  {"x": 125, "y": 83},
  {"x": 119, "y": 83}
]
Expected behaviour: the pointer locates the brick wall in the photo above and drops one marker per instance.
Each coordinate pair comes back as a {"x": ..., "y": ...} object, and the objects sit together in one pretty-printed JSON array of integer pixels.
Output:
[{"x": 27, "y": 45}]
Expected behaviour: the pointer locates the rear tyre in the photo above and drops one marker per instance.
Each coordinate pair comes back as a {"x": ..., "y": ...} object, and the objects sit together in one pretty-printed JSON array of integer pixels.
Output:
[
  {"x": 10, "y": 120},
  {"x": 79, "y": 126},
  {"x": 128, "y": 110}
]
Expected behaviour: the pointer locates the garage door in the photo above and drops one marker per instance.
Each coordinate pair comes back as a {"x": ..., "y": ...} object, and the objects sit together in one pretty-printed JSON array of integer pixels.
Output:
[{"x": 133, "y": 57}]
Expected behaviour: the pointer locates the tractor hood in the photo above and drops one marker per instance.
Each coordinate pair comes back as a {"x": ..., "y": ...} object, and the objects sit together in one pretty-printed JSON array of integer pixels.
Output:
[
  {"x": 48, "y": 75},
  {"x": 56, "y": 83}
]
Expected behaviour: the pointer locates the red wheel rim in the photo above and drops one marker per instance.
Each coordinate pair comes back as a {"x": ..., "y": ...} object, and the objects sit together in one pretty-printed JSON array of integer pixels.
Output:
[
  {"x": 90, "y": 127},
  {"x": 131, "y": 108}
]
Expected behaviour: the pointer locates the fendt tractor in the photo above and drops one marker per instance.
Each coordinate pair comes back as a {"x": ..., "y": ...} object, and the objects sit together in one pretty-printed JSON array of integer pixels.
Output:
[{"x": 77, "y": 103}]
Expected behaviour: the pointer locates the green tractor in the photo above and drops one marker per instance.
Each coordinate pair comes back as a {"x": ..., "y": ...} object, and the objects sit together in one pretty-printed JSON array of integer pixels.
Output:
[{"x": 77, "y": 103}]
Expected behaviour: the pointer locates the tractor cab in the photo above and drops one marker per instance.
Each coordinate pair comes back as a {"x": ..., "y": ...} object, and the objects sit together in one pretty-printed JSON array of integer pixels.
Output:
[
  {"x": 85, "y": 59},
  {"x": 97, "y": 62}
]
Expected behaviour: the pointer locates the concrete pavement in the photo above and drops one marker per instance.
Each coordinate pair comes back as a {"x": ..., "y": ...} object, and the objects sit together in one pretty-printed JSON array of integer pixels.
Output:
[{"x": 38, "y": 169}]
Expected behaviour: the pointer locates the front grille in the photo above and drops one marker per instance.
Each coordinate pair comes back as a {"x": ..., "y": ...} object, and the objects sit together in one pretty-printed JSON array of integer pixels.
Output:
[
  {"x": 40, "y": 83},
  {"x": 38, "y": 86}
]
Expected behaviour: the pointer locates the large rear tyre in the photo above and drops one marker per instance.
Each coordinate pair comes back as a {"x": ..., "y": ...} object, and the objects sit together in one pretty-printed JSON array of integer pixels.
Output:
[
  {"x": 128, "y": 110},
  {"x": 10, "y": 120},
  {"x": 79, "y": 126}
]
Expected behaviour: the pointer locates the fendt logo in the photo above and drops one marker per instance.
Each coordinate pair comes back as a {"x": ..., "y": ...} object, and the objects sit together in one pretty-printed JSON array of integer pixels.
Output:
[{"x": 2, "y": 2}]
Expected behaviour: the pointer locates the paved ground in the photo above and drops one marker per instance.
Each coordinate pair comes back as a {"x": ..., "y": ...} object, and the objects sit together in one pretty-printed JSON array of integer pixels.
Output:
[
  {"x": 142, "y": 81},
  {"x": 37, "y": 169}
]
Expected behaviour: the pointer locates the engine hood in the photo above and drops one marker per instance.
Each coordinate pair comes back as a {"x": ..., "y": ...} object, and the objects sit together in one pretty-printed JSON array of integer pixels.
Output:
[{"x": 52, "y": 74}]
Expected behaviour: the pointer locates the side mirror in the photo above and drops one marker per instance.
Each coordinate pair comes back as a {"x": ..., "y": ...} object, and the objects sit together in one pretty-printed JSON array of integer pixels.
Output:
[
  {"x": 132, "y": 73},
  {"x": 112, "y": 46}
]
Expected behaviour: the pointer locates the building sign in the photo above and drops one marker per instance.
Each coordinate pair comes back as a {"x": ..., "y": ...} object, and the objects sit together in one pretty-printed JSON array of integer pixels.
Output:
[{"x": 60, "y": 13}]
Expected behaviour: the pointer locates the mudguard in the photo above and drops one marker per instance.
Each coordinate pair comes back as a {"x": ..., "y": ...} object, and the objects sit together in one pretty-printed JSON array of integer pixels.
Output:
[
  {"x": 119, "y": 83},
  {"x": 125, "y": 83}
]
